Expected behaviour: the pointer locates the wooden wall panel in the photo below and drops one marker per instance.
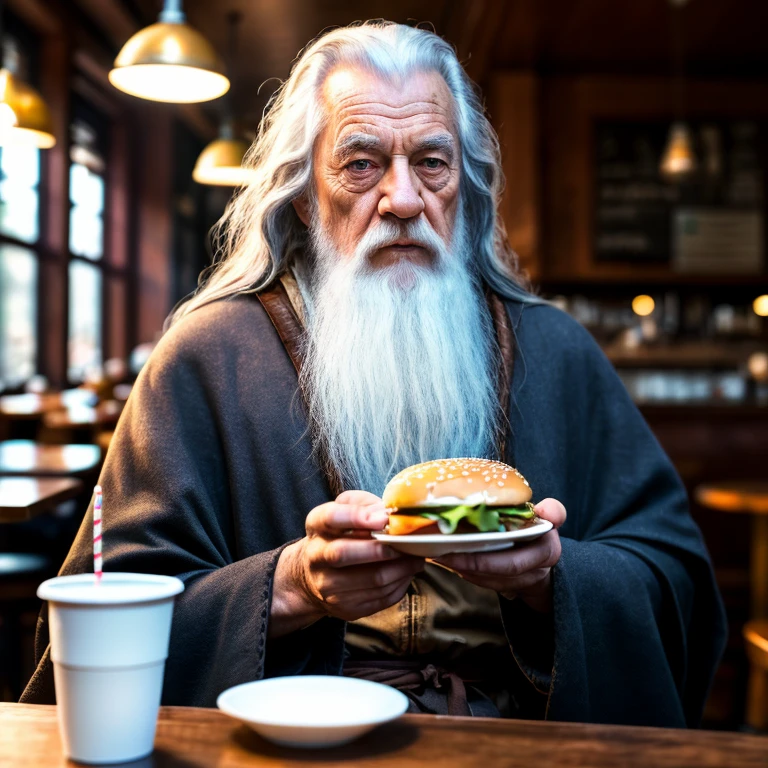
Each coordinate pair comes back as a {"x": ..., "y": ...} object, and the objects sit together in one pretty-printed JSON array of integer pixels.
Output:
[
  {"x": 513, "y": 104},
  {"x": 54, "y": 275},
  {"x": 154, "y": 221},
  {"x": 569, "y": 108}
]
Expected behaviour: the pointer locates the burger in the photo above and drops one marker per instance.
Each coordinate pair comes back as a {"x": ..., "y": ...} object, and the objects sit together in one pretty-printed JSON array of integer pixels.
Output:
[{"x": 458, "y": 496}]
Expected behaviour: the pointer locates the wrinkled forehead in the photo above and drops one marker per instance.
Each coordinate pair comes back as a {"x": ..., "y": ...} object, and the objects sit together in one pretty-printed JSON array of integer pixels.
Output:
[{"x": 359, "y": 100}]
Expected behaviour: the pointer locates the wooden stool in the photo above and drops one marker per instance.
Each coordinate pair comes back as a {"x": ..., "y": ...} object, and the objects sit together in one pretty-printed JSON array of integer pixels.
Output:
[
  {"x": 750, "y": 498},
  {"x": 756, "y": 638},
  {"x": 20, "y": 575}
]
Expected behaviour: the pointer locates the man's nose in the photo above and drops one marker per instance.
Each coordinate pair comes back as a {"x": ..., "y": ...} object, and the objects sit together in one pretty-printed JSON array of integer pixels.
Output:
[{"x": 400, "y": 191}]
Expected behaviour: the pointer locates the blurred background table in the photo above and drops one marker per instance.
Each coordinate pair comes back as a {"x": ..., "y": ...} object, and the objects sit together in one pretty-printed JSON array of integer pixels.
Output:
[
  {"x": 22, "y": 498},
  {"x": 25, "y": 457},
  {"x": 205, "y": 737},
  {"x": 80, "y": 423},
  {"x": 31, "y": 405},
  {"x": 21, "y": 415}
]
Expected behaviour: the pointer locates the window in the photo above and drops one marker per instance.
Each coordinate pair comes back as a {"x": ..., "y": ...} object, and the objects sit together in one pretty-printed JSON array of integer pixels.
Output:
[
  {"x": 65, "y": 306},
  {"x": 19, "y": 195},
  {"x": 20, "y": 176},
  {"x": 87, "y": 194},
  {"x": 18, "y": 314}
]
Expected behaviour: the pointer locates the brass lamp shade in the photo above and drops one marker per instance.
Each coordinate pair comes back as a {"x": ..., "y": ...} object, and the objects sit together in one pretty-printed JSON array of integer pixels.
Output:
[
  {"x": 678, "y": 159},
  {"x": 169, "y": 62},
  {"x": 220, "y": 164},
  {"x": 24, "y": 116}
]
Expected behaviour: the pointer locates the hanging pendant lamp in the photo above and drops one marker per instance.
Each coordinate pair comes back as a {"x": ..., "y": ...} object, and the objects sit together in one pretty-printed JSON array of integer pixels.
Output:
[
  {"x": 24, "y": 116},
  {"x": 221, "y": 162},
  {"x": 679, "y": 159},
  {"x": 169, "y": 61}
]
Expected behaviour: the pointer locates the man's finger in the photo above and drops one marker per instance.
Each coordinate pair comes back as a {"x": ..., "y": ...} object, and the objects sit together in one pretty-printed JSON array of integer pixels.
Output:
[
  {"x": 342, "y": 553},
  {"x": 376, "y": 577},
  {"x": 333, "y": 519},
  {"x": 360, "y": 498},
  {"x": 543, "y": 552},
  {"x": 552, "y": 510},
  {"x": 509, "y": 587},
  {"x": 379, "y": 604}
]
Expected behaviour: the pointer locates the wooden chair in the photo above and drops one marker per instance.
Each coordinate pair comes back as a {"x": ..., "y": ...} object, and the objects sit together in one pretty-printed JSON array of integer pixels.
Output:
[
  {"x": 750, "y": 498},
  {"x": 756, "y": 639},
  {"x": 20, "y": 575}
]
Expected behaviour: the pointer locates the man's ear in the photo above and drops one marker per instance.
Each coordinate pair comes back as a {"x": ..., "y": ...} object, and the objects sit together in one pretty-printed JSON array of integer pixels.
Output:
[{"x": 301, "y": 206}]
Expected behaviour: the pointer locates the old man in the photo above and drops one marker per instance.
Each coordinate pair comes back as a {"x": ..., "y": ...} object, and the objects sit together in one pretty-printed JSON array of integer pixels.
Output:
[{"x": 365, "y": 314}]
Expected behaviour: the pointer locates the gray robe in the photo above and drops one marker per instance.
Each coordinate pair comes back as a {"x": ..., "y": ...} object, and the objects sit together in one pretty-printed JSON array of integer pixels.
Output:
[{"x": 210, "y": 475}]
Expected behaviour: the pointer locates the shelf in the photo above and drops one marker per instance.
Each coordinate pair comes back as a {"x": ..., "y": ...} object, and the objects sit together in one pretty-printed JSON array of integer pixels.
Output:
[{"x": 728, "y": 355}]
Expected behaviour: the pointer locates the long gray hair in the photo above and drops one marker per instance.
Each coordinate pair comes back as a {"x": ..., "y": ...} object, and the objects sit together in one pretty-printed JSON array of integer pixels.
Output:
[{"x": 260, "y": 235}]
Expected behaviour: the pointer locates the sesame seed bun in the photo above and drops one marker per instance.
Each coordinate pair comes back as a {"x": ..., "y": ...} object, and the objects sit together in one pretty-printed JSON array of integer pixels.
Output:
[{"x": 456, "y": 481}]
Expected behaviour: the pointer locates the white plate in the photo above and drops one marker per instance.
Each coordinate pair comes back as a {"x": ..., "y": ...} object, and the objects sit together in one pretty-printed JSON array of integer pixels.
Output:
[
  {"x": 436, "y": 544},
  {"x": 312, "y": 710}
]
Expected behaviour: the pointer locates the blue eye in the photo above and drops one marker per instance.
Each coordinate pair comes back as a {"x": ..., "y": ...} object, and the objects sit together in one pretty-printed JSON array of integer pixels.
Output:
[
  {"x": 432, "y": 163},
  {"x": 360, "y": 165}
]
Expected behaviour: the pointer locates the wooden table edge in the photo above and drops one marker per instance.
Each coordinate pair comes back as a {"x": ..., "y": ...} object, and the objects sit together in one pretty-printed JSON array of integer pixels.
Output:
[
  {"x": 73, "y": 486},
  {"x": 171, "y": 714}
]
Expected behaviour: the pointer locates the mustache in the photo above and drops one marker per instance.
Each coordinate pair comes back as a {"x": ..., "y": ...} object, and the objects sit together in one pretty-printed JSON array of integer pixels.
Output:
[{"x": 417, "y": 232}]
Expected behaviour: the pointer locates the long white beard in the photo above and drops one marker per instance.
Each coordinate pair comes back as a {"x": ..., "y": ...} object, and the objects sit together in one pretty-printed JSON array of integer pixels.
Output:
[{"x": 400, "y": 362}]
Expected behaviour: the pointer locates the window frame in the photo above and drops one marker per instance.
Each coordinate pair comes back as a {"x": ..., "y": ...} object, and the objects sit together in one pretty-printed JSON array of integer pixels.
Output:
[
  {"x": 82, "y": 108},
  {"x": 30, "y": 50}
]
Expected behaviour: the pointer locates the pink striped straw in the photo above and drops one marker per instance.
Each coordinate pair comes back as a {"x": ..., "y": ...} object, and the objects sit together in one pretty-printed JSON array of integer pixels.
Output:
[{"x": 97, "y": 534}]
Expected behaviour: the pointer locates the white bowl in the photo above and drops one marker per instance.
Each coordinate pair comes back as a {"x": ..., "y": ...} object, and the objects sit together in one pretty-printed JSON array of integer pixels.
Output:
[{"x": 312, "y": 710}]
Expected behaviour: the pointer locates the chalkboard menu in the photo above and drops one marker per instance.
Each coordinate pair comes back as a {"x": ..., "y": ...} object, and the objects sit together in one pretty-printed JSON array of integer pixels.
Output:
[{"x": 710, "y": 221}]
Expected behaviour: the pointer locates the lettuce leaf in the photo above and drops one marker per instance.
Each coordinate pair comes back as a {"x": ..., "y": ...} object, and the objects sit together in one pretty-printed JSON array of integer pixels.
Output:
[{"x": 482, "y": 517}]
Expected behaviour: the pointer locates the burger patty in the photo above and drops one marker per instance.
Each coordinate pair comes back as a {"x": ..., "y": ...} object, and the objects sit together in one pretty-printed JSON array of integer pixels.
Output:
[{"x": 461, "y": 519}]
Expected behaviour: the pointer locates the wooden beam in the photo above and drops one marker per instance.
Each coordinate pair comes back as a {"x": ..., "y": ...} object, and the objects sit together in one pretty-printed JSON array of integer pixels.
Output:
[
  {"x": 37, "y": 15},
  {"x": 513, "y": 102},
  {"x": 473, "y": 27},
  {"x": 54, "y": 269},
  {"x": 518, "y": 42},
  {"x": 112, "y": 17},
  {"x": 155, "y": 186}
]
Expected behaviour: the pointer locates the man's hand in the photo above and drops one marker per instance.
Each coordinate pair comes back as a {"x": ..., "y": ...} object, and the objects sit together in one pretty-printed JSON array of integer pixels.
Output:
[
  {"x": 337, "y": 569},
  {"x": 524, "y": 571}
]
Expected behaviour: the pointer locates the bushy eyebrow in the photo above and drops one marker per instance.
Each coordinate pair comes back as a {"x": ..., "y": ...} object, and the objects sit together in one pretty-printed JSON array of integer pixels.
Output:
[
  {"x": 355, "y": 142},
  {"x": 362, "y": 142},
  {"x": 441, "y": 142}
]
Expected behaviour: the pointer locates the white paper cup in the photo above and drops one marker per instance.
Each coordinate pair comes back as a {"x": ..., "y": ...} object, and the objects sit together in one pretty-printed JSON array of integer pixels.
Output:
[{"x": 109, "y": 643}]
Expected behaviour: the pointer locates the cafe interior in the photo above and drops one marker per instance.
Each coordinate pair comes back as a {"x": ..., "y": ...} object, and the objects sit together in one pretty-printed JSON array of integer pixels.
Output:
[{"x": 634, "y": 139}]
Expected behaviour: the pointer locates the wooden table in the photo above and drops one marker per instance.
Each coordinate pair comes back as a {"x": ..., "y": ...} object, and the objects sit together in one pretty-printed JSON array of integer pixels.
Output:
[
  {"x": 31, "y": 406},
  {"x": 26, "y": 457},
  {"x": 197, "y": 738},
  {"x": 104, "y": 414},
  {"x": 22, "y": 498}
]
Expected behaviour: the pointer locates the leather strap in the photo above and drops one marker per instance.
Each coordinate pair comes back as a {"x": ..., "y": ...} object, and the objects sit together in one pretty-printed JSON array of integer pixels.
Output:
[
  {"x": 506, "y": 343},
  {"x": 280, "y": 310},
  {"x": 278, "y": 307}
]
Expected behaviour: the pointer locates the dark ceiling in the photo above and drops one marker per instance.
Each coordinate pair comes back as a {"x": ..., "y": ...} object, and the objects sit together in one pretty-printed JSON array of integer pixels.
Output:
[
  {"x": 722, "y": 38},
  {"x": 272, "y": 32}
]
